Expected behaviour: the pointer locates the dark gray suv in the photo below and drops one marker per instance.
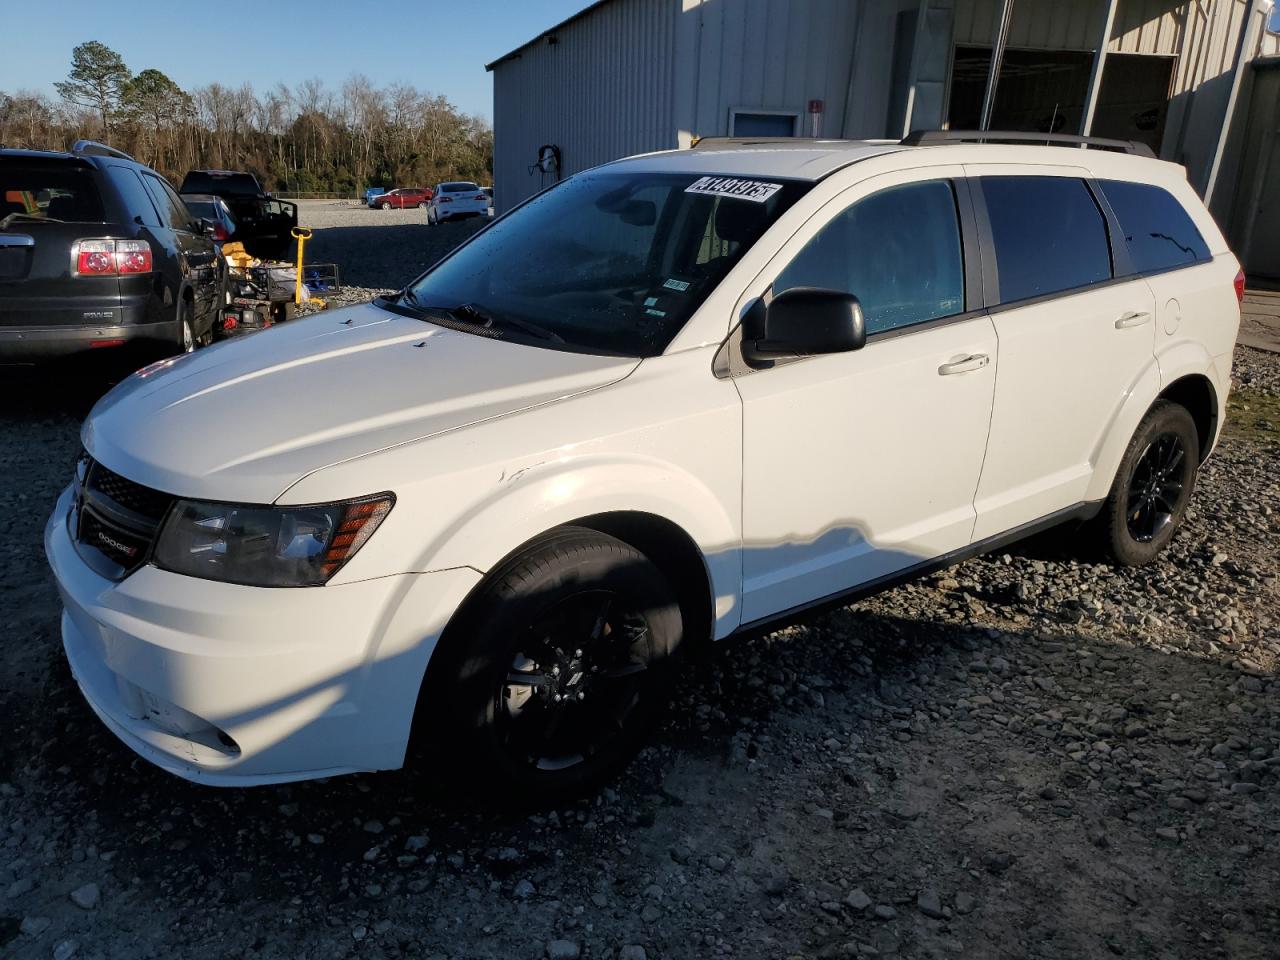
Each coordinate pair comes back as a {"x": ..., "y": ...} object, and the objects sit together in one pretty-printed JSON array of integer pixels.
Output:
[{"x": 98, "y": 251}]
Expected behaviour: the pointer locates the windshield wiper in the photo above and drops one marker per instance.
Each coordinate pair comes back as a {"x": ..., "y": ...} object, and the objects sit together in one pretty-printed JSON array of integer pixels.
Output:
[
  {"x": 18, "y": 215},
  {"x": 474, "y": 314}
]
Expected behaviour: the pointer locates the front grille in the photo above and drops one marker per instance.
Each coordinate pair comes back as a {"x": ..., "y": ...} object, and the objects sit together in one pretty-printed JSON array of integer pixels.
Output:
[
  {"x": 133, "y": 497},
  {"x": 118, "y": 518}
]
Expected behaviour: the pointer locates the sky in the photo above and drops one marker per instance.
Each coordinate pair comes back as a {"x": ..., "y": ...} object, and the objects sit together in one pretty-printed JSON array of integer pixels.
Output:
[{"x": 231, "y": 42}]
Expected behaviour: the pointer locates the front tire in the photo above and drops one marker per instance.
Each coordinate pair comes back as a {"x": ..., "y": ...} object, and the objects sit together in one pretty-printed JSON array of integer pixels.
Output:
[
  {"x": 557, "y": 671},
  {"x": 1153, "y": 486}
]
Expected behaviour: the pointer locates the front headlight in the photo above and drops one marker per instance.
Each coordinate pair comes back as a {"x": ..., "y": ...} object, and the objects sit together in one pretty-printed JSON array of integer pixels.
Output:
[{"x": 267, "y": 546}]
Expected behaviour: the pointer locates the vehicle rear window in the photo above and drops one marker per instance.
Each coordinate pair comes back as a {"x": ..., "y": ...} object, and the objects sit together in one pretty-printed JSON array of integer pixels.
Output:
[
  {"x": 224, "y": 184},
  {"x": 48, "y": 191},
  {"x": 458, "y": 187},
  {"x": 1159, "y": 232},
  {"x": 1049, "y": 235}
]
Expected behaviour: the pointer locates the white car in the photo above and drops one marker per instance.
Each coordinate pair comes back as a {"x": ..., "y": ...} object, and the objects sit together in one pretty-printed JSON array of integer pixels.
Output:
[
  {"x": 456, "y": 200},
  {"x": 670, "y": 399}
]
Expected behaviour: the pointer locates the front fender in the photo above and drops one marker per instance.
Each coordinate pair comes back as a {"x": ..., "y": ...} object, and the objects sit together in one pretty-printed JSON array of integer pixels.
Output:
[{"x": 538, "y": 498}]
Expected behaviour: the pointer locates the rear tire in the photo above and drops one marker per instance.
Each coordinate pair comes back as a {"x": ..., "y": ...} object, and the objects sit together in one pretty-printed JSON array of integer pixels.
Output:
[
  {"x": 1152, "y": 488},
  {"x": 556, "y": 672},
  {"x": 386, "y": 206},
  {"x": 186, "y": 333}
]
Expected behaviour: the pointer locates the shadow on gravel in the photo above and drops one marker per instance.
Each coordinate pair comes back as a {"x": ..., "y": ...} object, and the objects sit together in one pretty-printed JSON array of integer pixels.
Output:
[
  {"x": 386, "y": 256},
  {"x": 860, "y": 749},
  {"x": 63, "y": 388}
]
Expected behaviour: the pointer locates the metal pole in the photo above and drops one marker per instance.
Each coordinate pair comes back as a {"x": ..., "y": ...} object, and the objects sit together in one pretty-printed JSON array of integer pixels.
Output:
[
  {"x": 1095, "y": 75},
  {"x": 1248, "y": 42},
  {"x": 993, "y": 72}
]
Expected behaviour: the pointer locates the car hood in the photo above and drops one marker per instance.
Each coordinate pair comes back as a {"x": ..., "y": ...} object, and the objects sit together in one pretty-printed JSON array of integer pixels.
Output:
[{"x": 246, "y": 419}]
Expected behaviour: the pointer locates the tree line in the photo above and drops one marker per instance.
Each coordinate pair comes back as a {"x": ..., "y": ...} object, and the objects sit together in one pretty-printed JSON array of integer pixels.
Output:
[{"x": 303, "y": 139}]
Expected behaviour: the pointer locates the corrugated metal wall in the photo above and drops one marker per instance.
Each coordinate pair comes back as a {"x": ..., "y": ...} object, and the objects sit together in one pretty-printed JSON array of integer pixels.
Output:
[
  {"x": 766, "y": 54},
  {"x": 635, "y": 75},
  {"x": 602, "y": 90},
  {"x": 1202, "y": 85},
  {"x": 638, "y": 75}
]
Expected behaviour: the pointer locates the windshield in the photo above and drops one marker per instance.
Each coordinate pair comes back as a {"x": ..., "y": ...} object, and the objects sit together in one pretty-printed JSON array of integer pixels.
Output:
[{"x": 606, "y": 262}]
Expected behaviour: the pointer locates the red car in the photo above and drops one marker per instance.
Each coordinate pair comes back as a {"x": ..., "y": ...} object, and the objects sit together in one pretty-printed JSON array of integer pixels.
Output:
[{"x": 402, "y": 197}]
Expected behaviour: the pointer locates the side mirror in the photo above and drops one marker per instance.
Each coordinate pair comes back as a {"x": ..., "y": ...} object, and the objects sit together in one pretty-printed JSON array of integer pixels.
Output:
[
  {"x": 802, "y": 322},
  {"x": 208, "y": 227}
]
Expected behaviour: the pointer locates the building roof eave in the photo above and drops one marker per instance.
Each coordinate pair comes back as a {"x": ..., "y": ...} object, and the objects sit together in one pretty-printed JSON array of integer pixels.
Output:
[{"x": 513, "y": 54}]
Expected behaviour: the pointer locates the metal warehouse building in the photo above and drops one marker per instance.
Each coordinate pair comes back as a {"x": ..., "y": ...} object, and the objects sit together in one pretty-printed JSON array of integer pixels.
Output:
[{"x": 629, "y": 76}]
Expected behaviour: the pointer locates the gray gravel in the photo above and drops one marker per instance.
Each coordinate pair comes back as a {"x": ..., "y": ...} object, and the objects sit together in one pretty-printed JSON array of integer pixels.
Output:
[
  {"x": 377, "y": 250},
  {"x": 1025, "y": 756}
]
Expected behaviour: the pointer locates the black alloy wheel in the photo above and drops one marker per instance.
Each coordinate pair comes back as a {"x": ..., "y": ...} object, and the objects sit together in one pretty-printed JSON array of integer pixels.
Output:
[
  {"x": 575, "y": 681},
  {"x": 1152, "y": 486},
  {"x": 554, "y": 674},
  {"x": 1155, "y": 491}
]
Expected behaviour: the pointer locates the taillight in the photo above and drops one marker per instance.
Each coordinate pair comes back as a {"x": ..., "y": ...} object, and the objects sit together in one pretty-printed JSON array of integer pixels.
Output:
[
  {"x": 446, "y": 199},
  {"x": 108, "y": 258},
  {"x": 133, "y": 256},
  {"x": 94, "y": 258},
  {"x": 479, "y": 196},
  {"x": 1240, "y": 286},
  {"x": 220, "y": 232}
]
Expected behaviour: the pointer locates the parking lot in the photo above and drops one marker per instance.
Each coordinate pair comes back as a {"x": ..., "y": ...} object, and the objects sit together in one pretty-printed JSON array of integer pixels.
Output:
[{"x": 1025, "y": 756}]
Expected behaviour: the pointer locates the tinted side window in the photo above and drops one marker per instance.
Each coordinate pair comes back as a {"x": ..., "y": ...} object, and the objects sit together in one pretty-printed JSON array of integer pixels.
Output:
[
  {"x": 1157, "y": 229},
  {"x": 135, "y": 197},
  {"x": 898, "y": 251},
  {"x": 172, "y": 211},
  {"x": 1049, "y": 235}
]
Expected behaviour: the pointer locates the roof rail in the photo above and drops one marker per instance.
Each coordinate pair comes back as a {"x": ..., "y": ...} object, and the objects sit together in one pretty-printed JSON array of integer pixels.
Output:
[
  {"x": 95, "y": 149},
  {"x": 921, "y": 138},
  {"x": 724, "y": 142}
]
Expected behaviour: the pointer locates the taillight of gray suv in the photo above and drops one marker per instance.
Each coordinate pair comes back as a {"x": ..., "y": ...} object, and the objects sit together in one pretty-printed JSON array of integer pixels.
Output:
[{"x": 98, "y": 251}]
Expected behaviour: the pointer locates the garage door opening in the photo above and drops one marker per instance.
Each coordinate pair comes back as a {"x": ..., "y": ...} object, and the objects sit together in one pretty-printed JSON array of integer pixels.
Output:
[{"x": 1045, "y": 90}]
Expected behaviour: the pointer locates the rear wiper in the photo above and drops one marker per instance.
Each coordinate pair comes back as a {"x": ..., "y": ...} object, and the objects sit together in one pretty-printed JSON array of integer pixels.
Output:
[
  {"x": 473, "y": 314},
  {"x": 16, "y": 215}
]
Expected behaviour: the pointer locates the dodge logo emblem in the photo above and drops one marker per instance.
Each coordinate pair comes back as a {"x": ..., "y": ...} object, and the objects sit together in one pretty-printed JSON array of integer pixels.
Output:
[{"x": 116, "y": 545}]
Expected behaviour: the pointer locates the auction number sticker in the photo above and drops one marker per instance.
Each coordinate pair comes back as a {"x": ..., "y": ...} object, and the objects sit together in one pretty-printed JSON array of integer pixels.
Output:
[{"x": 754, "y": 190}]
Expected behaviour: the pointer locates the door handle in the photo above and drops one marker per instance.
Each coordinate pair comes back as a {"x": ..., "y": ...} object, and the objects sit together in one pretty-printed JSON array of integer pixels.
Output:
[
  {"x": 1135, "y": 318},
  {"x": 974, "y": 361}
]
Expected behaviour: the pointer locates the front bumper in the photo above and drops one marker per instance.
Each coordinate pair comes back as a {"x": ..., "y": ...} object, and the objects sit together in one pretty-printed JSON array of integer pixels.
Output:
[{"x": 237, "y": 686}]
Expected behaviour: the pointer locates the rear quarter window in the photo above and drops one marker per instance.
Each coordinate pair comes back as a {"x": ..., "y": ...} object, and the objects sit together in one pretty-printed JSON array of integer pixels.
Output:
[
  {"x": 1157, "y": 229},
  {"x": 135, "y": 198},
  {"x": 1049, "y": 235}
]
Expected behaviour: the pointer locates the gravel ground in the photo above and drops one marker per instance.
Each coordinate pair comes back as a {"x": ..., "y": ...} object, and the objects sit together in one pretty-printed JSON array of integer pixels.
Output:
[
  {"x": 1025, "y": 756},
  {"x": 377, "y": 250}
]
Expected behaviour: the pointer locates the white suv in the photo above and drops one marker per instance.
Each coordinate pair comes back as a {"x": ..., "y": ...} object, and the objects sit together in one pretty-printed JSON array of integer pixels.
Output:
[{"x": 672, "y": 398}]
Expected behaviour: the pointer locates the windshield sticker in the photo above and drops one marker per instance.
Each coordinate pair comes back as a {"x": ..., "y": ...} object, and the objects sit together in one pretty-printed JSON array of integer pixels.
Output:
[
  {"x": 656, "y": 313},
  {"x": 650, "y": 301},
  {"x": 681, "y": 285},
  {"x": 755, "y": 190}
]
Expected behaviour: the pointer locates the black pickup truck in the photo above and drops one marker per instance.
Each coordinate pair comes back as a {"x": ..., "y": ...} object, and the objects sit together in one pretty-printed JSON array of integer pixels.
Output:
[{"x": 263, "y": 222}]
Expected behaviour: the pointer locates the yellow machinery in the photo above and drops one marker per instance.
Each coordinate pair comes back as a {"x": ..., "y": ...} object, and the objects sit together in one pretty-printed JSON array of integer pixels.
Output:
[{"x": 303, "y": 234}]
